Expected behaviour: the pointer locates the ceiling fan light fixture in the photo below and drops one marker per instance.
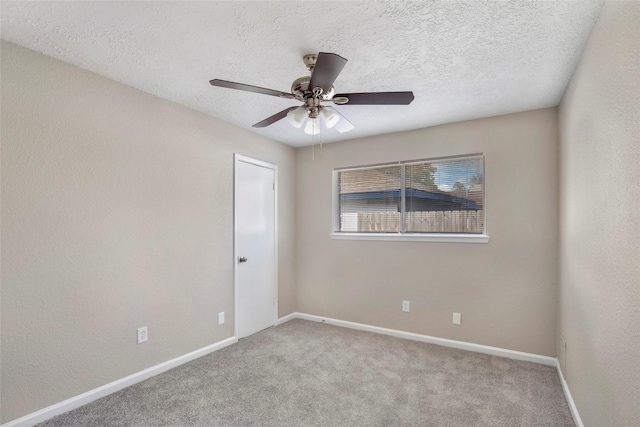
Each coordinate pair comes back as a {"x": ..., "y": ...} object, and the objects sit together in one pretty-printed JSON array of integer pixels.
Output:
[
  {"x": 312, "y": 127},
  {"x": 344, "y": 126},
  {"x": 329, "y": 118},
  {"x": 296, "y": 117}
]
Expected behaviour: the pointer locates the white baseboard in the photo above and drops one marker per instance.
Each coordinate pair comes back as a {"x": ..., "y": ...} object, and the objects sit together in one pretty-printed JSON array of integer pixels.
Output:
[
  {"x": 286, "y": 318},
  {"x": 478, "y": 348},
  {"x": 567, "y": 394},
  {"x": 97, "y": 393}
]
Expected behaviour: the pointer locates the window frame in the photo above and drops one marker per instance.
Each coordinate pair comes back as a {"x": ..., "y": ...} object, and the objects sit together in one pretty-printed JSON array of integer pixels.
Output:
[{"x": 403, "y": 236}]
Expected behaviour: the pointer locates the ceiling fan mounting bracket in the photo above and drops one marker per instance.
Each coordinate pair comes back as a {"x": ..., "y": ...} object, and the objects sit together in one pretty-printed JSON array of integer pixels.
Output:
[{"x": 310, "y": 61}]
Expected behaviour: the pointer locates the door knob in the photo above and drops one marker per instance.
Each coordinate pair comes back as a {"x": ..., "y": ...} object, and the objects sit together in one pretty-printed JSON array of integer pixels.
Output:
[{"x": 242, "y": 259}]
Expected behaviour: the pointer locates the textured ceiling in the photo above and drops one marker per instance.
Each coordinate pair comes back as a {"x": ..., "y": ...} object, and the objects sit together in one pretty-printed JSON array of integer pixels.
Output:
[{"x": 462, "y": 59}]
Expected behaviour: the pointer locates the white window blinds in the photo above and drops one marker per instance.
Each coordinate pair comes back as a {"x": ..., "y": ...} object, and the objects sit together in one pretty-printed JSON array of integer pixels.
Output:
[
  {"x": 427, "y": 196},
  {"x": 370, "y": 199}
]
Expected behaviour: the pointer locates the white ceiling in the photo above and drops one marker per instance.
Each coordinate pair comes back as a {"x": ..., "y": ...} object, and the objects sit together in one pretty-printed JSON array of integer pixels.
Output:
[{"x": 462, "y": 59}]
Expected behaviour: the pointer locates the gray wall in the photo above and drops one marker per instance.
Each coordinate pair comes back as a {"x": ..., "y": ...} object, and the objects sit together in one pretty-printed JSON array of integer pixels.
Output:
[
  {"x": 599, "y": 309},
  {"x": 116, "y": 214},
  {"x": 506, "y": 290}
]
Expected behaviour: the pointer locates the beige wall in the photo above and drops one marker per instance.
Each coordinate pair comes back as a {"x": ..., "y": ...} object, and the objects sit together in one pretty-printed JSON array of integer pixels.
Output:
[
  {"x": 116, "y": 214},
  {"x": 599, "y": 308},
  {"x": 506, "y": 290}
]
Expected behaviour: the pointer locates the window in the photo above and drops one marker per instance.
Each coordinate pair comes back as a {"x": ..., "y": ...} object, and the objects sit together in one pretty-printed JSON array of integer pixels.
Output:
[{"x": 441, "y": 197}]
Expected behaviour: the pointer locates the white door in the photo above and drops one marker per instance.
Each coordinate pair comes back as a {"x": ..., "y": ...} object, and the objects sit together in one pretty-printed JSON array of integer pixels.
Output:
[{"x": 255, "y": 245}]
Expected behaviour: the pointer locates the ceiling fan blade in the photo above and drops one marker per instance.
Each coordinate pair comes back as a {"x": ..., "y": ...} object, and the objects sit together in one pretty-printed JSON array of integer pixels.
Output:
[
  {"x": 326, "y": 70},
  {"x": 343, "y": 125},
  {"x": 249, "y": 88},
  {"x": 271, "y": 120},
  {"x": 375, "y": 98}
]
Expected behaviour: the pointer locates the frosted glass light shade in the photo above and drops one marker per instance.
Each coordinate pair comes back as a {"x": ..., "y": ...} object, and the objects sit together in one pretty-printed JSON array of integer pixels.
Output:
[
  {"x": 329, "y": 117},
  {"x": 296, "y": 117},
  {"x": 312, "y": 127},
  {"x": 344, "y": 126}
]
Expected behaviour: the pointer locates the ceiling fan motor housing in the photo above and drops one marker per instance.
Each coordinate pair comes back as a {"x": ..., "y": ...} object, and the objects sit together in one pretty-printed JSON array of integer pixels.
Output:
[{"x": 300, "y": 90}]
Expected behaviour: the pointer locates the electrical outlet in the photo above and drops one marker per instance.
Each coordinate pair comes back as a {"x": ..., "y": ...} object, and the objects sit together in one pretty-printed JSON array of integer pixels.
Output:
[
  {"x": 142, "y": 335},
  {"x": 457, "y": 318},
  {"x": 405, "y": 306},
  {"x": 221, "y": 318}
]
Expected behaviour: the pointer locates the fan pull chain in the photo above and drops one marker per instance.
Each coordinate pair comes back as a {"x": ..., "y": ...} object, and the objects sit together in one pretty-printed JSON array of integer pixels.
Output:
[
  {"x": 320, "y": 133},
  {"x": 313, "y": 137},
  {"x": 313, "y": 142}
]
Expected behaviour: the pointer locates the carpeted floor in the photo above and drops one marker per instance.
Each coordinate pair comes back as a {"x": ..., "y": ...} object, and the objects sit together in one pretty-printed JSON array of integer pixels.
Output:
[{"x": 304, "y": 373}]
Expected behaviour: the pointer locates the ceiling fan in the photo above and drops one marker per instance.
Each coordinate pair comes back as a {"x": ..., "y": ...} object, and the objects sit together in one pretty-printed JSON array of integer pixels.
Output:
[{"x": 316, "y": 89}]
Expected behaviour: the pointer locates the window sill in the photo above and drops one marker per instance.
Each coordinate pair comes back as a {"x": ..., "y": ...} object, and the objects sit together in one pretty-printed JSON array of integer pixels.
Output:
[{"x": 408, "y": 237}]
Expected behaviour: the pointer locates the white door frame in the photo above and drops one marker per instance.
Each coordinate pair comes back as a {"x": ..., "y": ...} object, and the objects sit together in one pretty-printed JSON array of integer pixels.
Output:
[{"x": 240, "y": 158}]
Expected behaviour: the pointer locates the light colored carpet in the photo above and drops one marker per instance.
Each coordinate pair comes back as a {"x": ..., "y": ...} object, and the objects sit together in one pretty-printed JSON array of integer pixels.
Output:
[{"x": 304, "y": 373}]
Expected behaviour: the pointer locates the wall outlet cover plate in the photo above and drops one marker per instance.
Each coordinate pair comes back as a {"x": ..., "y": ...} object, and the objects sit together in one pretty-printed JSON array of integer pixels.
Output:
[
  {"x": 142, "y": 335},
  {"x": 457, "y": 318}
]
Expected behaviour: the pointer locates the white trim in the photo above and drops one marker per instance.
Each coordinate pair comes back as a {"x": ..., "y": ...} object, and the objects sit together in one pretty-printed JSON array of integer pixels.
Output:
[
  {"x": 409, "y": 237},
  {"x": 462, "y": 345},
  {"x": 240, "y": 158},
  {"x": 275, "y": 245},
  {"x": 403, "y": 236},
  {"x": 107, "y": 389},
  {"x": 335, "y": 203},
  {"x": 409, "y": 162},
  {"x": 567, "y": 394},
  {"x": 286, "y": 318},
  {"x": 484, "y": 198}
]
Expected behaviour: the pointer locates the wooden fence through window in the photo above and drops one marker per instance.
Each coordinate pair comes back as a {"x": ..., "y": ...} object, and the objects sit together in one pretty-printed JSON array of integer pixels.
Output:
[{"x": 422, "y": 222}]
